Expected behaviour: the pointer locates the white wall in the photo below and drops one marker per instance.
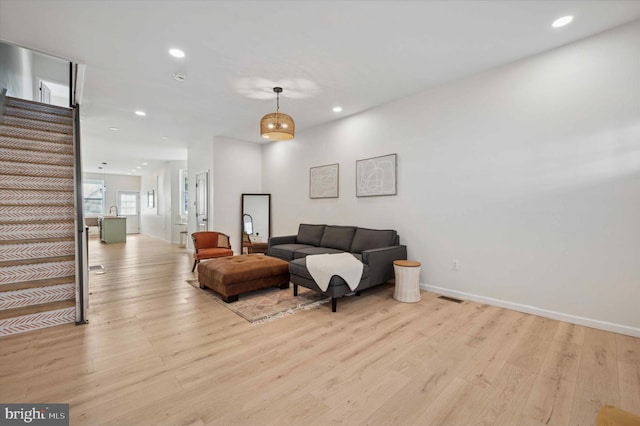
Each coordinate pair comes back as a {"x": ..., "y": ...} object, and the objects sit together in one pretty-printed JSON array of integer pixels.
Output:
[
  {"x": 528, "y": 175},
  {"x": 15, "y": 71},
  {"x": 237, "y": 170},
  {"x": 199, "y": 160},
  {"x": 114, "y": 184},
  {"x": 163, "y": 219},
  {"x": 53, "y": 70}
]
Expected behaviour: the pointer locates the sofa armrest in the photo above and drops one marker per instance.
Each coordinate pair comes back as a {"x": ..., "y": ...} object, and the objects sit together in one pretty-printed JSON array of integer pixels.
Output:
[
  {"x": 287, "y": 239},
  {"x": 380, "y": 261}
]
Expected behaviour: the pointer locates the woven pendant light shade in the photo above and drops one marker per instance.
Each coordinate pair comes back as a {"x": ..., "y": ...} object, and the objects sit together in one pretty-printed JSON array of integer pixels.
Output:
[{"x": 277, "y": 126}]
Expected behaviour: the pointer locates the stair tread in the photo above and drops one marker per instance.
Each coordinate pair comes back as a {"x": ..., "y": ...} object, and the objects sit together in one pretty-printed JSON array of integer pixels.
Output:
[
  {"x": 37, "y": 283},
  {"x": 11, "y": 188},
  {"x": 65, "y": 142},
  {"x": 35, "y": 309},
  {"x": 15, "y": 112},
  {"x": 36, "y": 240},
  {"x": 38, "y": 106},
  {"x": 36, "y": 128},
  {"x": 35, "y": 261},
  {"x": 31, "y": 222},
  {"x": 18, "y": 169}
]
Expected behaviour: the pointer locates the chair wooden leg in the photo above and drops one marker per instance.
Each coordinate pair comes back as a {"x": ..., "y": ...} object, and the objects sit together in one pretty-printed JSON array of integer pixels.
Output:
[{"x": 195, "y": 262}]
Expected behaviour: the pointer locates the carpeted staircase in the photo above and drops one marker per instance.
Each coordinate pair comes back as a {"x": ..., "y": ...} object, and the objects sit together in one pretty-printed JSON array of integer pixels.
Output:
[{"x": 37, "y": 217}]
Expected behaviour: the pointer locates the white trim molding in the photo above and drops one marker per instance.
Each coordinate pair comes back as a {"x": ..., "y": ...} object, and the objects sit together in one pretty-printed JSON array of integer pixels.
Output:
[{"x": 560, "y": 316}]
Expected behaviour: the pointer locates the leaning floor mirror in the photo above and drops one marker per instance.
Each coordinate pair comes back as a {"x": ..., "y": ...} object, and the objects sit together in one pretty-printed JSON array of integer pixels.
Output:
[{"x": 255, "y": 222}]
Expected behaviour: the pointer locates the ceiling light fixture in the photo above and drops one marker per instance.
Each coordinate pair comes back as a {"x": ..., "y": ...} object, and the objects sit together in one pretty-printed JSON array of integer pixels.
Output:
[
  {"x": 337, "y": 109},
  {"x": 176, "y": 53},
  {"x": 144, "y": 164},
  {"x": 114, "y": 129},
  {"x": 164, "y": 137},
  {"x": 141, "y": 113},
  {"x": 561, "y": 22},
  {"x": 178, "y": 76},
  {"x": 277, "y": 126}
]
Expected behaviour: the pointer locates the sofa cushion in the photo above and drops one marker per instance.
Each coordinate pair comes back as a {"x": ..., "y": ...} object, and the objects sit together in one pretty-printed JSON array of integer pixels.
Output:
[
  {"x": 310, "y": 234},
  {"x": 286, "y": 251},
  {"x": 367, "y": 239},
  {"x": 338, "y": 237},
  {"x": 315, "y": 250}
]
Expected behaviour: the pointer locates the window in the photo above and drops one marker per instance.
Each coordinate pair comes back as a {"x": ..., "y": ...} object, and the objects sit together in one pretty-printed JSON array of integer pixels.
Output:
[
  {"x": 93, "y": 193},
  {"x": 184, "y": 193},
  {"x": 128, "y": 204}
]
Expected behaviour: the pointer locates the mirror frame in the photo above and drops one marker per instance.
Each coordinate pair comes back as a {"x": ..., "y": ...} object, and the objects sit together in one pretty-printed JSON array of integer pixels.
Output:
[{"x": 242, "y": 213}]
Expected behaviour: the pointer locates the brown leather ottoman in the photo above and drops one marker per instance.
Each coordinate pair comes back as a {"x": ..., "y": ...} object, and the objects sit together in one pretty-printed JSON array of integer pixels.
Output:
[{"x": 231, "y": 276}]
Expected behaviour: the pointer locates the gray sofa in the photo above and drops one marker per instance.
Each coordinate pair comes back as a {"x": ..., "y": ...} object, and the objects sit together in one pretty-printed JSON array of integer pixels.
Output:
[{"x": 375, "y": 248}]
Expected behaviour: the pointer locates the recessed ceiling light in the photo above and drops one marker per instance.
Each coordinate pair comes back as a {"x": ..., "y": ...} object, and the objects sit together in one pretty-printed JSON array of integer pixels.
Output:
[
  {"x": 337, "y": 109},
  {"x": 134, "y": 170},
  {"x": 128, "y": 173},
  {"x": 176, "y": 53},
  {"x": 178, "y": 76},
  {"x": 561, "y": 22},
  {"x": 141, "y": 113},
  {"x": 138, "y": 167},
  {"x": 144, "y": 164},
  {"x": 114, "y": 128},
  {"x": 164, "y": 137}
]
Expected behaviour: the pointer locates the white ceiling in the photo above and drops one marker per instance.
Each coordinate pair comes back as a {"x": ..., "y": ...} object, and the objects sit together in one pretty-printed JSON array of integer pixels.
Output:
[{"x": 356, "y": 54}]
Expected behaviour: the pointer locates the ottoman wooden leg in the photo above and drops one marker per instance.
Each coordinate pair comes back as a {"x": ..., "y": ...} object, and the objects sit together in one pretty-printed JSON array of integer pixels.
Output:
[
  {"x": 202, "y": 286},
  {"x": 230, "y": 299},
  {"x": 284, "y": 286}
]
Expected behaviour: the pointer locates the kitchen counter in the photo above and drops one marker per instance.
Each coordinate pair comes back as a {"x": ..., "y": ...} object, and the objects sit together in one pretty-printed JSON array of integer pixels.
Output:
[{"x": 113, "y": 229}]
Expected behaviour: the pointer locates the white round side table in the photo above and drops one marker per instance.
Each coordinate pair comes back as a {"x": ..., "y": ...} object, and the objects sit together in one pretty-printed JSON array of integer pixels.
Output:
[{"x": 407, "y": 277}]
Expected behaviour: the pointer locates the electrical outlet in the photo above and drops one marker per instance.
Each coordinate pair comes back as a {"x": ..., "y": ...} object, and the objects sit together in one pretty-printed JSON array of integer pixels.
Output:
[{"x": 455, "y": 264}]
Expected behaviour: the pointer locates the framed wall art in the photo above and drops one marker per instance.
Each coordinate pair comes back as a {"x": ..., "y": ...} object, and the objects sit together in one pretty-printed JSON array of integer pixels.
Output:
[
  {"x": 323, "y": 181},
  {"x": 376, "y": 176}
]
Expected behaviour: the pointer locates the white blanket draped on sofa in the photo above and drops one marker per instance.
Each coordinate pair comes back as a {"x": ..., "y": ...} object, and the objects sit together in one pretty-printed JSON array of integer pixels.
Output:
[{"x": 323, "y": 266}]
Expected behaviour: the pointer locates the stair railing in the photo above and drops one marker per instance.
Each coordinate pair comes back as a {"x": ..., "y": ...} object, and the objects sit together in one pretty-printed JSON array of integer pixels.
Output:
[{"x": 82, "y": 243}]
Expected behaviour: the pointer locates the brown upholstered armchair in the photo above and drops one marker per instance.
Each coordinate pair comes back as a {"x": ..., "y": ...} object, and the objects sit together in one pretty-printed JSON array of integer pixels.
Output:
[{"x": 208, "y": 245}]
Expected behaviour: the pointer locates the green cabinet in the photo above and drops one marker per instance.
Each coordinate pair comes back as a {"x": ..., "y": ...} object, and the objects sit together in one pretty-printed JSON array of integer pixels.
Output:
[{"x": 113, "y": 229}]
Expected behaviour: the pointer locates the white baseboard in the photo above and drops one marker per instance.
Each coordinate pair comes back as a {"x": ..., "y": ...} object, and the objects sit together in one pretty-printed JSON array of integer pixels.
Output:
[{"x": 573, "y": 319}]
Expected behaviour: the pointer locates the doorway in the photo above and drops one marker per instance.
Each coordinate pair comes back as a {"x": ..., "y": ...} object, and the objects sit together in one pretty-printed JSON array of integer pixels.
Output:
[
  {"x": 129, "y": 207},
  {"x": 202, "y": 217}
]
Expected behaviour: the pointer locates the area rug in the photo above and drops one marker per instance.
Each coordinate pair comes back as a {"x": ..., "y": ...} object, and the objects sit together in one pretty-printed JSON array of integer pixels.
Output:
[{"x": 269, "y": 304}]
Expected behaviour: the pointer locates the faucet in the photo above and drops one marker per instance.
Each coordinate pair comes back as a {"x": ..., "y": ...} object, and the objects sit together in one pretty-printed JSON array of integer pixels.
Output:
[{"x": 112, "y": 207}]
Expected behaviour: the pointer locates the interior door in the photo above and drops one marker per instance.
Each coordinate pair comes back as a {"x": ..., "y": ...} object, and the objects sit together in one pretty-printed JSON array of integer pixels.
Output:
[
  {"x": 129, "y": 207},
  {"x": 202, "y": 216},
  {"x": 45, "y": 93}
]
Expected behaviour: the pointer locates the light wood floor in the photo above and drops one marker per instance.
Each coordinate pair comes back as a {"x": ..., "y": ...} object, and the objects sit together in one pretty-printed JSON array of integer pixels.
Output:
[{"x": 159, "y": 351}]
